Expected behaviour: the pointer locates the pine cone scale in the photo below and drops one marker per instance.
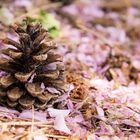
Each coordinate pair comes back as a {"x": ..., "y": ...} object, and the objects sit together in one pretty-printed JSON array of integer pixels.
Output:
[
  {"x": 34, "y": 89},
  {"x": 51, "y": 74},
  {"x": 6, "y": 81},
  {"x": 9, "y": 41},
  {"x": 26, "y": 101},
  {"x": 2, "y": 93},
  {"x": 23, "y": 77},
  {"x": 12, "y": 104},
  {"x": 14, "y": 94}
]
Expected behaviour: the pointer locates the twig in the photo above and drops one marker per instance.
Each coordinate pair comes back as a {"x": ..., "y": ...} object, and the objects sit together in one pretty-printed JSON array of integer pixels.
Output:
[
  {"x": 26, "y": 123},
  {"x": 56, "y": 136},
  {"x": 32, "y": 126}
]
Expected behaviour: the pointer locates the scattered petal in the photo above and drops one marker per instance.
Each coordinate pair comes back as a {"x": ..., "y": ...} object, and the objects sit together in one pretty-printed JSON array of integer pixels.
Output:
[
  {"x": 28, "y": 114},
  {"x": 59, "y": 122},
  {"x": 40, "y": 137}
]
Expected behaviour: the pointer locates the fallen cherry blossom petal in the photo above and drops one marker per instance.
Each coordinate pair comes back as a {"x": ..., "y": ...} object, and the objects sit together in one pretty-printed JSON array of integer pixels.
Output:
[
  {"x": 56, "y": 112},
  {"x": 5, "y": 109},
  {"x": 100, "y": 112},
  {"x": 28, "y": 114},
  {"x": 40, "y": 137},
  {"x": 59, "y": 122},
  {"x": 53, "y": 90}
]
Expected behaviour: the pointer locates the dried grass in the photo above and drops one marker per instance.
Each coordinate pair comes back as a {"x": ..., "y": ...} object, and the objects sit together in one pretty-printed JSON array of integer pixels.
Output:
[{"x": 23, "y": 129}]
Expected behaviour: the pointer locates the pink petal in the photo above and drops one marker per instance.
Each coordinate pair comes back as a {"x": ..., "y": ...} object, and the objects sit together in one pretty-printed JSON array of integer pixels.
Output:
[
  {"x": 28, "y": 114},
  {"x": 40, "y": 138},
  {"x": 116, "y": 138},
  {"x": 5, "y": 109},
  {"x": 130, "y": 123},
  {"x": 60, "y": 124},
  {"x": 100, "y": 111},
  {"x": 53, "y": 90},
  {"x": 70, "y": 105},
  {"x": 42, "y": 86},
  {"x": 57, "y": 112},
  {"x": 51, "y": 66},
  {"x": 98, "y": 83},
  {"x": 31, "y": 78}
]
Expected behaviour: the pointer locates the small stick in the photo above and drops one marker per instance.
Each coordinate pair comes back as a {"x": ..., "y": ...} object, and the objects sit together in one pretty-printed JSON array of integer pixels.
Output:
[
  {"x": 25, "y": 123},
  {"x": 56, "y": 136},
  {"x": 32, "y": 126}
]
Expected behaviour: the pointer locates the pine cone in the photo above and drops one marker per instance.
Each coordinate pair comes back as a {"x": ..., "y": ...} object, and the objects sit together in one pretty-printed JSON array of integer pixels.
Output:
[{"x": 31, "y": 69}]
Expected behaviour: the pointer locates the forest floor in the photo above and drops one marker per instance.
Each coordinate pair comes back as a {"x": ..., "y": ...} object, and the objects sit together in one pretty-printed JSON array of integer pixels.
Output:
[{"x": 100, "y": 44}]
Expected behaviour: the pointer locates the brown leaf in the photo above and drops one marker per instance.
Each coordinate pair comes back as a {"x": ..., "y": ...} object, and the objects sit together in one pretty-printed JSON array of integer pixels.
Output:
[
  {"x": 105, "y": 21},
  {"x": 116, "y": 5}
]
